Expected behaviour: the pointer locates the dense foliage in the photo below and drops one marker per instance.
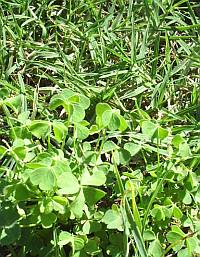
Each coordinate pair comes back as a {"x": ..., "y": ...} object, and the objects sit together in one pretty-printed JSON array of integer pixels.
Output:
[{"x": 99, "y": 128}]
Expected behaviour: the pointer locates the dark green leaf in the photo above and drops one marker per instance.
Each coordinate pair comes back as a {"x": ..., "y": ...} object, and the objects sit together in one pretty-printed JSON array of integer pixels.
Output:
[
  {"x": 92, "y": 195},
  {"x": 92, "y": 247},
  {"x": 48, "y": 220},
  {"x": 21, "y": 192},
  {"x": 9, "y": 235}
]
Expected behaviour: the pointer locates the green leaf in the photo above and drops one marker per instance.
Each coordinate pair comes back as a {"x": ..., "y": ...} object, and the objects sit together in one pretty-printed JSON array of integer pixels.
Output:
[
  {"x": 18, "y": 143},
  {"x": 92, "y": 195},
  {"x": 123, "y": 124},
  {"x": 98, "y": 178},
  {"x": 47, "y": 220},
  {"x": 92, "y": 247},
  {"x": 106, "y": 117},
  {"x": 177, "y": 212},
  {"x": 149, "y": 235},
  {"x": 184, "y": 253},
  {"x": 177, "y": 140},
  {"x": 68, "y": 94},
  {"x": 74, "y": 99},
  {"x": 94, "y": 129},
  {"x": 197, "y": 196},
  {"x": 65, "y": 238},
  {"x": 192, "y": 181},
  {"x": 60, "y": 131},
  {"x": 40, "y": 128},
  {"x": 113, "y": 219},
  {"x": 186, "y": 197},
  {"x": 149, "y": 128},
  {"x": 124, "y": 156},
  {"x": 81, "y": 132},
  {"x": 63, "y": 99},
  {"x": 177, "y": 230},
  {"x": 90, "y": 157},
  {"x": 132, "y": 148},
  {"x": 184, "y": 150},
  {"x": 9, "y": 235},
  {"x": 56, "y": 101},
  {"x": 91, "y": 227},
  {"x": 21, "y": 192},
  {"x": 175, "y": 237},
  {"x": 161, "y": 133},
  {"x": 116, "y": 247},
  {"x": 109, "y": 146},
  {"x": 158, "y": 212},
  {"x": 60, "y": 199},
  {"x": 4, "y": 92},
  {"x": 23, "y": 117},
  {"x": 192, "y": 244},
  {"x": 14, "y": 103},
  {"x": 20, "y": 152},
  {"x": 172, "y": 236},
  {"x": 68, "y": 184},
  {"x": 61, "y": 166},
  {"x": 3, "y": 150},
  {"x": 44, "y": 177},
  {"x": 101, "y": 108},
  {"x": 79, "y": 242},
  {"x": 84, "y": 102},
  {"x": 77, "y": 205},
  {"x": 155, "y": 249},
  {"x": 78, "y": 113},
  {"x": 8, "y": 215},
  {"x": 114, "y": 123}
]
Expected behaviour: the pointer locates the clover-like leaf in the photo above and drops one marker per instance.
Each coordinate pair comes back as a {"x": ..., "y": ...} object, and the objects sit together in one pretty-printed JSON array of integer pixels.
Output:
[
  {"x": 92, "y": 195},
  {"x": 155, "y": 249},
  {"x": 82, "y": 132},
  {"x": 48, "y": 219},
  {"x": 97, "y": 178},
  {"x": 40, "y": 128},
  {"x": 78, "y": 113},
  {"x": 113, "y": 219},
  {"x": 101, "y": 108},
  {"x": 132, "y": 148},
  {"x": 44, "y": 177},
  {"x": 65, "y": 238},
  {"x": 84, "y": 101},
  {"x": 77, "y": 205},
  {"x": 149, "y": 128},
  {"x": 60, "y": 131},
  {"x": 68, "y": 184},
  {"x": 109, "y": 146}
]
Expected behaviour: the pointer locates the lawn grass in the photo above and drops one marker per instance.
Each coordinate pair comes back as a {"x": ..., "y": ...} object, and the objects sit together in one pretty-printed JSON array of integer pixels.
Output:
[{"x": 138, "y": 57}]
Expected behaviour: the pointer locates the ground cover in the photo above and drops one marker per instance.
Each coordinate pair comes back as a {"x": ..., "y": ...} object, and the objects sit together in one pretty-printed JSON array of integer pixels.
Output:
[{"x": 99, "y": 128}]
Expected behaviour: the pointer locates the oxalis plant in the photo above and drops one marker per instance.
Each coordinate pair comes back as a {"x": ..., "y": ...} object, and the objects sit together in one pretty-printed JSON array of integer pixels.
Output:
[{"x": 82, "y": 180}]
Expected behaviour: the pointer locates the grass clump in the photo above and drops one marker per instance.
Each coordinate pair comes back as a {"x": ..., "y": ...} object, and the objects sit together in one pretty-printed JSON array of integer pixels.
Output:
[{"x": 99, "y": 117}]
